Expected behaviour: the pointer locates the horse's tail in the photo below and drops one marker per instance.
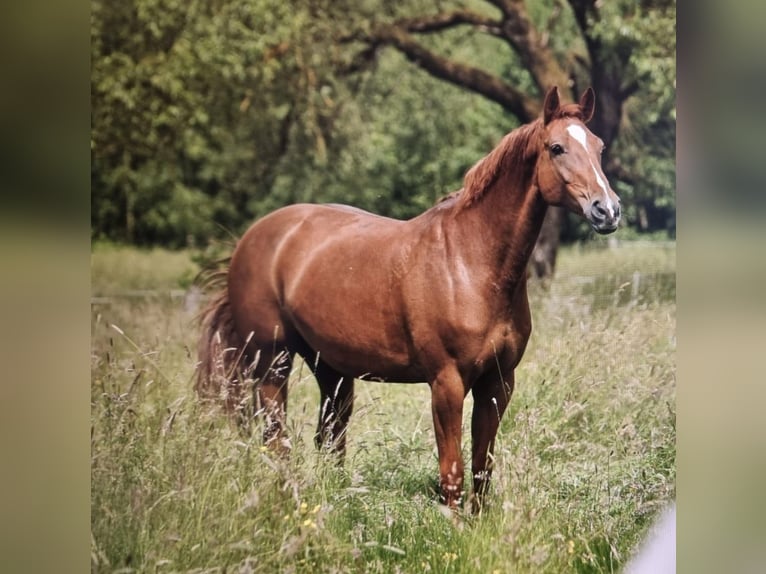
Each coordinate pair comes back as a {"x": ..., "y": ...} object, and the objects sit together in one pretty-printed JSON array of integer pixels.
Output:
[{"x": 222, "y": 369}]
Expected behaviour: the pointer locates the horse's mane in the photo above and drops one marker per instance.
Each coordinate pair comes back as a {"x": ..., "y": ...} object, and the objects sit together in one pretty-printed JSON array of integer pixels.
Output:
[
  {"x": 512, "y": 155},
  {"x": 449, "y": 197}
]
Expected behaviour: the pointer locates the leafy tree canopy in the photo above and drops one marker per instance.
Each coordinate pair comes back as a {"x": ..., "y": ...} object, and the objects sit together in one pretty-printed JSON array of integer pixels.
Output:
[{"x": 206, "y": 115}]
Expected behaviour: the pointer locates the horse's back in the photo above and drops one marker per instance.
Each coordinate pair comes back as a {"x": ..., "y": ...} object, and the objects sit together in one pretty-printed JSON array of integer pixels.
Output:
[
  {"x": 322, "y": 272},
  {"x": 298, "y": 231},
  {"x": 313, "y": 218},
  {"x": 278, "y": 243}
]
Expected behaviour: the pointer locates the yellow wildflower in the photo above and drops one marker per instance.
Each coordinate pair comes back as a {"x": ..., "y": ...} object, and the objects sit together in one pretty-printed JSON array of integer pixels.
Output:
[{"x": 450, "y": 556}]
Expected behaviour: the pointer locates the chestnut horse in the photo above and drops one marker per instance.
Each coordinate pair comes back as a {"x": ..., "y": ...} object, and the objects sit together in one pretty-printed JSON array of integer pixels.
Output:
[{"x": 440, "y": 298}]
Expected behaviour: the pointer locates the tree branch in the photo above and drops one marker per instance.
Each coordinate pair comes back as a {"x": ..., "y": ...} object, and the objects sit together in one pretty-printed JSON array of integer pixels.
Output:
[
  {"x": 515, "y": 27},
  {"x": 443, "y": 21},
  {"x": 535, "y": 54},
  {"x": 361, "y": 61},
  {"x": 505, "y": 6},
  {"x": 463, "y": 75},
  {"x": 581, "y": 8},
  {"x": 629, "y": 89}
]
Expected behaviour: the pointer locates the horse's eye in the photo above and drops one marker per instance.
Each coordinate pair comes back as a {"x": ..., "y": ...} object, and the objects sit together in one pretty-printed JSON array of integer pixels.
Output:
[{"x": 557, "y": 149}]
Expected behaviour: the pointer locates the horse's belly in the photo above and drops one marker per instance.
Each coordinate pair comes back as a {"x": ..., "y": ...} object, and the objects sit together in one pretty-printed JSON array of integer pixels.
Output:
[
  {"x": 356, "y": 343},
  {"x": 361, "y": 364}
]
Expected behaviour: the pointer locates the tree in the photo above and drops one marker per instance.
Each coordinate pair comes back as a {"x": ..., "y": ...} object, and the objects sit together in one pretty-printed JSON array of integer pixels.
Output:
[
  {"x": 572, "y": 46},
  {"x": 194, "y": 106},
  {"x": 206, "y": 115}
]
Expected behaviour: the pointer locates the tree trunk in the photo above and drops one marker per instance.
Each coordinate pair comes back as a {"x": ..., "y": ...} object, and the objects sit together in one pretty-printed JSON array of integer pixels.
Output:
[{"x": 543, "y": 261}]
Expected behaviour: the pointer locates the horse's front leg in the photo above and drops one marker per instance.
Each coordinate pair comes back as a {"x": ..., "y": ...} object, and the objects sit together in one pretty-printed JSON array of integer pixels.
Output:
[
  {"x": 447, "y": 395},
  {"x": 491, "y": 395}
]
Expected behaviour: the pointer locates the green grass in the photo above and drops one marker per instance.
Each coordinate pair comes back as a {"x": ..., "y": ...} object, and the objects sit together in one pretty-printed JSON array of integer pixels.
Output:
[
  {"x": 585, "y": 454},
  {"x": 121, "y": 269}
]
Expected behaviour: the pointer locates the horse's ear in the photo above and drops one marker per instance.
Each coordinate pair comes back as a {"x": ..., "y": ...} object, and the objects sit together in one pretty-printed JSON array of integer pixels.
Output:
[
  {"x": 551, "y": 105},
  {"x": 587, "y": 104}
]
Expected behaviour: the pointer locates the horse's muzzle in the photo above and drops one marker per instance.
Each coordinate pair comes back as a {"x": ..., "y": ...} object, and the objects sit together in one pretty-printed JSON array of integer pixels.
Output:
[{"x": 603, "y": 219}]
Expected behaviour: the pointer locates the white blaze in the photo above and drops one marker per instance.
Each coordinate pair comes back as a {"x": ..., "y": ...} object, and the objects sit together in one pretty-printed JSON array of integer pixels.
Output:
[
  {"x": 579, "y": 135},
  {"x": 599, "y": 181}
]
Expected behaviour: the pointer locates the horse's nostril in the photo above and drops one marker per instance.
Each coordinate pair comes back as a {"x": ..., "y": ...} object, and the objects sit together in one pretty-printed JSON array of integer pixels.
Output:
[
  {"x": 617, "y": 210},
  {"x": 600, "y": 211}
]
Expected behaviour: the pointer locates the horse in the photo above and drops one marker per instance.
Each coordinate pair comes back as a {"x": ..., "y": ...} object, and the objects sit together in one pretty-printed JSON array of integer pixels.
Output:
[{"x": 440, "y": 298}]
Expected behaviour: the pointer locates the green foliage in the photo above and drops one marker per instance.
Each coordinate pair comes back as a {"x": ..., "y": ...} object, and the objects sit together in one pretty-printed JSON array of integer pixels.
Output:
[
  {"x": 206, "y": 116},
  {"x": 644, "y": 153},
  {"x": 192, "y": 109},
  {"x": 585, "y": 455},
  {"x": 398, "y": 149},
  {"x": 122, "y": 269}
]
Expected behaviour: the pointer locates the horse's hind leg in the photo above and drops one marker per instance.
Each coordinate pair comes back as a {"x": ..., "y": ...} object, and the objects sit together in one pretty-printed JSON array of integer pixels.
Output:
[
  {"x": 272, "y": 398},
  {"x": 335, "y": 407}
]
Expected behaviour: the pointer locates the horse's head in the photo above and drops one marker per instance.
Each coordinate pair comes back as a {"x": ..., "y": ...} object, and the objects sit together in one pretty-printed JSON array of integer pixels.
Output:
[{"x": 569, "y": 167}]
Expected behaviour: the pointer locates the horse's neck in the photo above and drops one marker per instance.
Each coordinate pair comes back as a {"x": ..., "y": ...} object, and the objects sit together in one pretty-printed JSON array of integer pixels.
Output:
[{"x": 507, "y": 222}]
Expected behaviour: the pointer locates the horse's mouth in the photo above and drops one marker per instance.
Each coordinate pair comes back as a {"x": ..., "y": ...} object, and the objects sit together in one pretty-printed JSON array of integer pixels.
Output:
[{"x": 604, "y": 229}]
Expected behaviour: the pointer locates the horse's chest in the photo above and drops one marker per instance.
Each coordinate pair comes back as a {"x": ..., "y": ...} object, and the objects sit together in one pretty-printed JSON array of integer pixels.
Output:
[
  {"x": 503, "y": 343},
  {"x": 498, "y": 336}
]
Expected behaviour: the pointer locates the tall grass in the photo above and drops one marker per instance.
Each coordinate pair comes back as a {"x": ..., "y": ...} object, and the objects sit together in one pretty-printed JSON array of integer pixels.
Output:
[{"x": 585, "y": 455}]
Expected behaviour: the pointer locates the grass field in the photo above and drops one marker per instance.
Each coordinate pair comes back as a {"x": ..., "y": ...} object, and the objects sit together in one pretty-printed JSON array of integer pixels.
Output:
[{"x": 585, "y": 454}]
